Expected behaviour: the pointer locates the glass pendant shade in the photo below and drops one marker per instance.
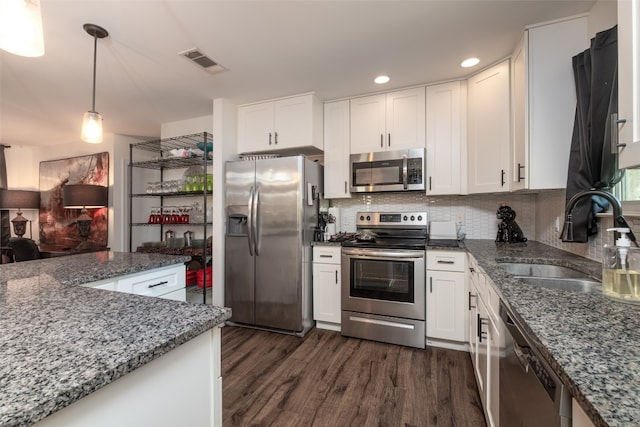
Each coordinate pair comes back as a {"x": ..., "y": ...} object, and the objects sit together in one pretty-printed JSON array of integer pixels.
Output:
[
  {"x": 92, "y": 127},
  {"x": 21, "y": 27}
]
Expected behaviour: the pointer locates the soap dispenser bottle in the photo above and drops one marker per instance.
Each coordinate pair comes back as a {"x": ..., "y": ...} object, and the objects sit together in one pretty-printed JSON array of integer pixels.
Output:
[{"x": 621, "y": 269}]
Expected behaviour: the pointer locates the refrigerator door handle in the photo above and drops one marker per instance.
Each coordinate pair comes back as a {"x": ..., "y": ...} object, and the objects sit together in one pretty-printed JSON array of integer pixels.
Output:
[
  {"x": 250, "y": 221},
  {"x": 256, "y": 221}
]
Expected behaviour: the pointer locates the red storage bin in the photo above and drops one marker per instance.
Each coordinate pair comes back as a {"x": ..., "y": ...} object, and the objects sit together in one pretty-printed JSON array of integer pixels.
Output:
[
  {"x": 209, "y": 277},
  {"x": 191, "y": 277}
]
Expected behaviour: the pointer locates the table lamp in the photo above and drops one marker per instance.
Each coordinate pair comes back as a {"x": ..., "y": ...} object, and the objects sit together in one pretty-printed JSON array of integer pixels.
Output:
[
  {"x": 83, "y": 196},
  {"x": 19, "y": 199}
]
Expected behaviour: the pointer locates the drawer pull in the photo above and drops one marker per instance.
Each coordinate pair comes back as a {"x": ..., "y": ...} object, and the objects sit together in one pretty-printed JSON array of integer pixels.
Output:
[
  {"x": 326, "y": 256},
  {"x": 158, "y": 284},
  {"x": 445, "y": 262}
]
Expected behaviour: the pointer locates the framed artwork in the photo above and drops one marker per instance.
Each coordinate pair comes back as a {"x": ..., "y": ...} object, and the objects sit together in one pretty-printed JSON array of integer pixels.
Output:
[{"x": 58, "y": 228}]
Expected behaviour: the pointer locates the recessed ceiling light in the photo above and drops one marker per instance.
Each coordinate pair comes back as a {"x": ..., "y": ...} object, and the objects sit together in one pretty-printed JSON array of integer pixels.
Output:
[
  {"x": 381, "y": 80},
  {"x": 469, "y": 62}
]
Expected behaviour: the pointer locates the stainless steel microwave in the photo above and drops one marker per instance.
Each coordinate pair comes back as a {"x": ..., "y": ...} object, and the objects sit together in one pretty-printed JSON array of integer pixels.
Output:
[{"x": 402, "y": 170}]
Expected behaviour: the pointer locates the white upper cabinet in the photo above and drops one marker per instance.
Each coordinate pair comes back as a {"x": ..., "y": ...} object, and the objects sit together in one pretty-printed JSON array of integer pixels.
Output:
[
  {"x": 336, "y": 150},
  {"x": 288, "y": 125},
  {"x": 629, "y": 82},
  {"x": 391, "y": 121},
  {"x": 445, "y": 159},
  {"x": 488, "y": 130},
  {"x": 544, "y": 103}
]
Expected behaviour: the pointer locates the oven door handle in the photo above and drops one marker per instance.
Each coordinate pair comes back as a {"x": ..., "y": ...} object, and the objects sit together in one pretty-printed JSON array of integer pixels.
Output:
[{"x": 382, "y": 254}]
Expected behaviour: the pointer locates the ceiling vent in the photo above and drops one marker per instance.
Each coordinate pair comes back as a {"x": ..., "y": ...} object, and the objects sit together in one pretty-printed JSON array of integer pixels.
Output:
[{"x": 199, "y": 58}]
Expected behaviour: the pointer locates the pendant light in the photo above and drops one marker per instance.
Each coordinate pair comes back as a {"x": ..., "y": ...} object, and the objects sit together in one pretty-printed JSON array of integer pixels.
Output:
[
  {"x": 21, "y": 27},
  {"x": 92, "y": 121}
]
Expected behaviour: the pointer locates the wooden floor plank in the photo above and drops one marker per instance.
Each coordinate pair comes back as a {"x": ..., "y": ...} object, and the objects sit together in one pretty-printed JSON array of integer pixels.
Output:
[{"x": 326, "y": 379}]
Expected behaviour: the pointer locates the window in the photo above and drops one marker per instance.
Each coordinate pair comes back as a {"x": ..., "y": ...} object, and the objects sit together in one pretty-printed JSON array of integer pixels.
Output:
[{"x": 628, "y": 190}]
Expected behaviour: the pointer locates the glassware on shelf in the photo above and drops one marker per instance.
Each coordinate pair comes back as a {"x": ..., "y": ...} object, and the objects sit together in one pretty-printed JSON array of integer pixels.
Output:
[
  {"x": 166, "y": 215},
  {"x": 196, "y": 214},
  {"x": 155, "y": 216},
  {"x": 184, "y": 214},
  {"x": 175, "y": 217}
]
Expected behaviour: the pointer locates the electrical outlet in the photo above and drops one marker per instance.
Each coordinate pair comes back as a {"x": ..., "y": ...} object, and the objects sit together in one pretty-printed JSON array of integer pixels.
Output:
[
  {"x": 460, "y": 219},
  {"x": 557, "y": 224}
]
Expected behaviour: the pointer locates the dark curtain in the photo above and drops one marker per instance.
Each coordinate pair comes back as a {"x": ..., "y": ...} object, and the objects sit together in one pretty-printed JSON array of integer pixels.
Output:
[{"x": 591, "y": 163}]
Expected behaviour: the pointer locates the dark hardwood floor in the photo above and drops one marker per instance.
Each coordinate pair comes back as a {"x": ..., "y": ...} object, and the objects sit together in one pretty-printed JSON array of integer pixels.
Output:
[{"x": 326, "y": 379}]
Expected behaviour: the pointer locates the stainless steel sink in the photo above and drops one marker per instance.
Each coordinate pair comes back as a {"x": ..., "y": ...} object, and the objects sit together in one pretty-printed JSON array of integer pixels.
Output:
[
  {"x": 552, "y": 276},
  {"x": 542, "y": 270},
  {"x": 567, "y": 284}
]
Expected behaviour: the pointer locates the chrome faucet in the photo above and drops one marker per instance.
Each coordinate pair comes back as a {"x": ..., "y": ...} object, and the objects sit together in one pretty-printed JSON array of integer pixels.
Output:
[{"x": 618, "y": 219}]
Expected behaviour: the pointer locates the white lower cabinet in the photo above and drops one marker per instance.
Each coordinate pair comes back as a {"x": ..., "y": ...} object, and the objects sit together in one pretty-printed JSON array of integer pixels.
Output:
[
  {"x": 578, "y": 417},
  {"x": 485, "y": 338},
  {"x": 446, "y": 297},
  {"x": 164, "y": 282},
  {"x": 180, "y": 388},
  {"x": 326, "y": 287}
]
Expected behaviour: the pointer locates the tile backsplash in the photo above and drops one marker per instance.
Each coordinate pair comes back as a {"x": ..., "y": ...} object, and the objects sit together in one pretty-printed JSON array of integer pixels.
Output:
[
  {"x": 550, "y": 205},
  {"x": 537, "y": 215},
  {"x": 479, "y": 211}
]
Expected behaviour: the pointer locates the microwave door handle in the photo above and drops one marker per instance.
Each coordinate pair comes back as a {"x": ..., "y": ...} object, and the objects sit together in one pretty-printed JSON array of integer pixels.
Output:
[{"x": 404, "y": 172}]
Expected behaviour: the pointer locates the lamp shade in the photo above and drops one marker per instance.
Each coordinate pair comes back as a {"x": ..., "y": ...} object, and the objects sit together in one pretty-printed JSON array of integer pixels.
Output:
[
  {"x": 19, "y": 199},
  {"x": 21, "y": 27},
  {"x": 77, "y": 196},
  {"x": 92, "y": 127}
]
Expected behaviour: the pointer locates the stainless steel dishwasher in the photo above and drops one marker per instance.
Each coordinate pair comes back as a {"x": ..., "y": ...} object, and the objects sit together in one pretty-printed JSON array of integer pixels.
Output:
[{"x": 531, "y": 394}]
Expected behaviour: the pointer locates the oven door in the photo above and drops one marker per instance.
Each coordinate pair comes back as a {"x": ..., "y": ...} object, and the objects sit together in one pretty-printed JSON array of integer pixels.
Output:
[{"x": 387, "y": 282}]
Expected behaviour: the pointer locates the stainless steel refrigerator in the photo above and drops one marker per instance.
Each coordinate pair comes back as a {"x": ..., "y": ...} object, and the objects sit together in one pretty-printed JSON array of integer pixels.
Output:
[{"x": 272, "y": 211}]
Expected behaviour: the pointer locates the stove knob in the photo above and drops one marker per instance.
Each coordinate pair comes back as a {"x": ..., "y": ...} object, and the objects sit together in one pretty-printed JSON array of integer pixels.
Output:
[
  {"x": 413, "y": 218},
  {"x": 361, "y": 217},
  {"x": 419, "y": 217},
  {"x": 368, "y": 218},
  {"x": 404, "y": 218}
]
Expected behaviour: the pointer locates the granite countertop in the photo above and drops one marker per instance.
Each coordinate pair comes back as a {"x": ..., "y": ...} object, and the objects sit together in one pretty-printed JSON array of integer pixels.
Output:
[
  {"x": 591, "y": 341},
  {"x": 60, "y": 342}
]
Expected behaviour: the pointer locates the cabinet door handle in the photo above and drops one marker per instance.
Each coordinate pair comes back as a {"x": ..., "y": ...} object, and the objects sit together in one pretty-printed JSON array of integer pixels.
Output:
[
  {"x": 502, "y": 177},
  {"x": 158, "y": 284},
  {"x": 381, "y": 140},
  {"x": 269, "y": 138},
  {"x": 429, "y": 183},
  {"x": 389, "y": 140},
  {"x": 275, "y": 138},
  {"x": 336, "y": 277},
  {"x": 615, "y": 133},
  {"x": 481, "y": 322},
  {"x": 520, "y": 167},
  {"x": 471, "y": 296},
  {"x": 345, "y": 187},
  {"x": 472, "y": 270}
]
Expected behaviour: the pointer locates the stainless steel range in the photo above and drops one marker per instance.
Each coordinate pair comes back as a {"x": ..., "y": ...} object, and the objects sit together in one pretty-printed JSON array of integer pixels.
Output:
[{"x": 383, "y": 278}]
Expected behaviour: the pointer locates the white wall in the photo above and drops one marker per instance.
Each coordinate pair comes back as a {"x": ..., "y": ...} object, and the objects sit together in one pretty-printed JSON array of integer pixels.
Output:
[
  {"x": 602, "y": 16},
  {"x": 225, "y": 148}
]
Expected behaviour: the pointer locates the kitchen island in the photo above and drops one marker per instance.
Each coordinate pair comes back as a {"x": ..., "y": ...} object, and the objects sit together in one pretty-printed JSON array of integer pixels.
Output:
[
  {"x": 592, "y": 342},
  {"x": 62, "y": 344}
]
